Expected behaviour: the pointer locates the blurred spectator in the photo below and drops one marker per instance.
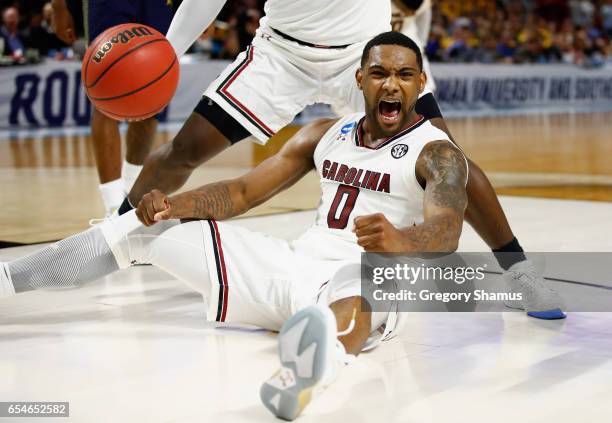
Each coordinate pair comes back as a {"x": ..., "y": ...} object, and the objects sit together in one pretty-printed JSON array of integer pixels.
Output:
[
  {"x": 460, "y": 47},
  {"x": 233, "y": 30},
  {"x": 506, "y": 46},
  {"x": 12, "y": 40},
  {"x": 583, "y": 12},
  {"x": 40, "y": 35},
  {"x": 433, "y": 48},
  {"x": 487, "y": 50}
]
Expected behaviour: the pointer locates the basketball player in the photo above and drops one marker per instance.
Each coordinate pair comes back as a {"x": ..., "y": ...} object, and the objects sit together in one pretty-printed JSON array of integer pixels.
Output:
[
  {"x": 99, "y": 15},
  {"x": 391, "y": 182},
  {"x": 305, "y": 51}
]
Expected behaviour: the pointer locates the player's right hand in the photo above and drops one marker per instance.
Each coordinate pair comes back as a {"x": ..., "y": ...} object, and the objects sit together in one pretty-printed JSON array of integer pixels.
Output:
[{"x": 154, "y": 207}]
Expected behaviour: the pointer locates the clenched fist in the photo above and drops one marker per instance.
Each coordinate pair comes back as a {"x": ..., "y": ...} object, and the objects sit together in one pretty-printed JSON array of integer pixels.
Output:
[
  {"x": 153, "y": 207},
  {"x": 376, "y": 234}
]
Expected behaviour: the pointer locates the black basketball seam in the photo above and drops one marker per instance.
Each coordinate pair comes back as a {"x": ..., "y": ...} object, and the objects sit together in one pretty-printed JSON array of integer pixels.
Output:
[
  {"x": 137, "y": 89},
  {"x": 95, "y": 47},
  {"x": 121, "y": 57}
]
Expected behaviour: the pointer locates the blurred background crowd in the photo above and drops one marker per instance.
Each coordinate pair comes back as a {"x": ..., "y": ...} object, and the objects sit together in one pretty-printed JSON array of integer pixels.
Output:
[
  {"x": 522, "y": 31},
  {"x": 508, "y": 31}
]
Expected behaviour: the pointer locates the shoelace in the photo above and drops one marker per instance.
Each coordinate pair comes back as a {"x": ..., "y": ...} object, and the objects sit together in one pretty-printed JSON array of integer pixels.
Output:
[
  {"x": 94, "y": 222},
  {"x": 343, "y": 357},
  {"x": 109, "y": 215}
]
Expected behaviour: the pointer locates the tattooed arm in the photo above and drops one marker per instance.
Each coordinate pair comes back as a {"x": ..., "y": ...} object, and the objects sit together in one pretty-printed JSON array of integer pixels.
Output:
[
  {"x": 442, "y": 169},
  {"x": 230, "y": 198}
]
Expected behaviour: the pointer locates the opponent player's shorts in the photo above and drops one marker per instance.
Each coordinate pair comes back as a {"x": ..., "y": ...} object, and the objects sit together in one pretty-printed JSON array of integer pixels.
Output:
[
  {"x": 103, "y": 14},
  {"x": 262, "y": 281},
  {"x": 276, "y": 78}
]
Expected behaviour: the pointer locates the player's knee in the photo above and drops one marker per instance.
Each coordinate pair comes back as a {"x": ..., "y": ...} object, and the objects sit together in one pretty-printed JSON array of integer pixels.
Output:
[
  {"x": 148, "y": 245},
  {"x": 345, "y": 283}
]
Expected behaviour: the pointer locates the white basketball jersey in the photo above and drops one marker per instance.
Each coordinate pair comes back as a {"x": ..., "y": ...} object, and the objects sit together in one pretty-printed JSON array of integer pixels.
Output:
[
  {"x": 357, "y": 180},
  {"x": 328, "y": 22}
]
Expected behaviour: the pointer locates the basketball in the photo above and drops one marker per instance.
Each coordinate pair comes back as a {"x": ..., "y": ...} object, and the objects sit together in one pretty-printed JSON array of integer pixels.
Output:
[{"x": 130, "y": 72}]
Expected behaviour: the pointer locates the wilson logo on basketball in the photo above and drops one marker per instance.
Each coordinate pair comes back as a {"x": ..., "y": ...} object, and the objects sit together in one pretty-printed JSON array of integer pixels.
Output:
[{"x": 123, "y": 38}]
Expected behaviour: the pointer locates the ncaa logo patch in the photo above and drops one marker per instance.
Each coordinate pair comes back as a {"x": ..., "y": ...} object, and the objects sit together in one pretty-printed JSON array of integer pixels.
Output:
[
  {"x": 347, "y": 128},
  {"x": 344, "y": 131},
  {"x": 398, "y": 151}
]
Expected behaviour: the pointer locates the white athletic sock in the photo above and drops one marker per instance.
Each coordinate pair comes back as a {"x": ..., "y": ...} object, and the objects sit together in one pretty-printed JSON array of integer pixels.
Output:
[
  {"x": 129, "y": 174},
  {"x": 112, "y": 195}
]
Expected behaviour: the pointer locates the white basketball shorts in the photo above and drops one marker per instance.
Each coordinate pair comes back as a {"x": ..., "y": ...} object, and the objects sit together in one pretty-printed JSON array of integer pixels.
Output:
[
  {"x": 275, "y": 79},
  {"x": 257, "y": 279}
]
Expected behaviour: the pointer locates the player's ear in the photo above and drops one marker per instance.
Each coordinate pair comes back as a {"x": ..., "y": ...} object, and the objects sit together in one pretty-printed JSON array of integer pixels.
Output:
[
  {"x": 423, "y": 81},
  {"x": 359, "y": 77}
]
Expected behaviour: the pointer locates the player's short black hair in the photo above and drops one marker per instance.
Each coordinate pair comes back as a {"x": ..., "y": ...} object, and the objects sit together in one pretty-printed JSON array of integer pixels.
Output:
[{"x": 392, "y": 38}]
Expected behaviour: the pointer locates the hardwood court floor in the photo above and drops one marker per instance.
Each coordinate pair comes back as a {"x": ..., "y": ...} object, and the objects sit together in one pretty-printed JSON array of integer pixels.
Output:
[
  {"x": 135, "y": 347},
  {"x": 49, "y": 183}
]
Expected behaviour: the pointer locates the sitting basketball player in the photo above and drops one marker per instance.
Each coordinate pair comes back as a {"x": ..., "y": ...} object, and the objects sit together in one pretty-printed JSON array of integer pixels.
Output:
[
  {"x": 304, "y": 52},
  {"x": 391, "y": 182}
]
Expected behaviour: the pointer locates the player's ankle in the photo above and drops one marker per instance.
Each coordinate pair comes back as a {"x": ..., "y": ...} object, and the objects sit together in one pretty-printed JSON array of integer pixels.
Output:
[
  {"x": 112, "y": 195},
  {"x": 125, "y": 206},
  {"x": 129, "y": 174},
  {"x": 510, "y": 254}
]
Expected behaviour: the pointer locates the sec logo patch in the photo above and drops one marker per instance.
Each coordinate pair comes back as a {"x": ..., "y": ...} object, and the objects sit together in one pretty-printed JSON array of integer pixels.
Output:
[{"x": 399, "y": 151}]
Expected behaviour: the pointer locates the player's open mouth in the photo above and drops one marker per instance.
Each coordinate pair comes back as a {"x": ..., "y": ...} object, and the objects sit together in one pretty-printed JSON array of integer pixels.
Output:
[{"x": 389, "y": 110}]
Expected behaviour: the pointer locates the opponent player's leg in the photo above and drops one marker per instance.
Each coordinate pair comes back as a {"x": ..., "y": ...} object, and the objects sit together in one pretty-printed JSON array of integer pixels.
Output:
[
  {"x": 235, "y": 106},
  {"x": 170, "y": 165},
  {"x": 141, "y": 135},
  {"x": 99, "y": 16},
  {"x": 106, "y": 142},
  {"x": 138, "y": 142},
  {"x": 115, "y": 179}
]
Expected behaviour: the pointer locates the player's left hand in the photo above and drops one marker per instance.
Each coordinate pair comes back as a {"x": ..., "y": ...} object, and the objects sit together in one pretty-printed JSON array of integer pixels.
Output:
[{"x": 376, "y": 234}]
